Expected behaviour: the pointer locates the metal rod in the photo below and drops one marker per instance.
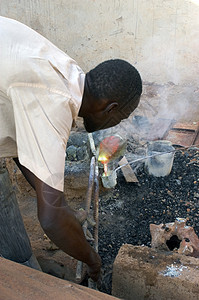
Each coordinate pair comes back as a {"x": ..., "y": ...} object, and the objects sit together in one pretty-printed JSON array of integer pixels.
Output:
[
  {"x": 87, "y": 209},
  {"x": 154, "y": 155},
  {"x": 95, "y": 192},
  {"x": 90, "y": 185},
  {"x": 91, "y": 283},
  {"x": 79, "y": 270},
  {"x": 96, "y": 207},
  {"x": 92, "y": 143},
  {"x": 92, "y": 191}
]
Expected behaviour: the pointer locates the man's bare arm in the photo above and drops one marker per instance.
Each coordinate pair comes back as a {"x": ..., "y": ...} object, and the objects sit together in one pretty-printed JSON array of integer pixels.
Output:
[{"x": 60, "y": 224}]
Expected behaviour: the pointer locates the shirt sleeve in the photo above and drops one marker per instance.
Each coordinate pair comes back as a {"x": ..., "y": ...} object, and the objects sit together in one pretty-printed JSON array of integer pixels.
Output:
[{"x": 43, "y": 120}]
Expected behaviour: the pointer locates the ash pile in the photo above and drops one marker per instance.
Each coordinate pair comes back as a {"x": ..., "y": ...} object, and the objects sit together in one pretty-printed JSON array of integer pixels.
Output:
[{"x": 127, "y": 209}]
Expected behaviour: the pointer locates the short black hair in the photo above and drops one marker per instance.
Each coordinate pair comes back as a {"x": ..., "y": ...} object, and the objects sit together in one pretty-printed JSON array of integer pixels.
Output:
[{"x": 115, "y": 79}]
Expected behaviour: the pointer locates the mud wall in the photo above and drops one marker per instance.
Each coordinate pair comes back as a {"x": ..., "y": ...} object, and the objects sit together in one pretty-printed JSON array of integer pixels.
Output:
[{"x": 160, "y": 37}]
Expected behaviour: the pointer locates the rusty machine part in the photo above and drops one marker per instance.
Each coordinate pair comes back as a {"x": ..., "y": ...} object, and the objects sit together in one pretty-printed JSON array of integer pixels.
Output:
[{"x": 176, "y": 236}]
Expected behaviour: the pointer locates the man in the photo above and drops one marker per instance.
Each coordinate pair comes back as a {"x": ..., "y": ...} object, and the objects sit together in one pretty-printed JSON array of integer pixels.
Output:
[{"x": 42, "y": 90}]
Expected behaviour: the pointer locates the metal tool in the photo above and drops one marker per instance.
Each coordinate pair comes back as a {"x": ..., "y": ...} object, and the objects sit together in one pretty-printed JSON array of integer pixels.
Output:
[
  {"x": 158, "y": 154},
  {"x": 92, "y": 194}
]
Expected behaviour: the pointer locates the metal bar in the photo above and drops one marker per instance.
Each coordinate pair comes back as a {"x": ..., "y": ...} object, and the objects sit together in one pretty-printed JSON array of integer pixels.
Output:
[
  {"x": 96, "y": 207},
  {"x": 95, "y": 192},
  {"x": 90, "y": 185},
  {"x": 91, "y": 283},
  {"x": 183, "y": 129},
  {"x": 154, "y": 155},
  {"x": 79, "y": 271},
  {"x": 92, "y": 192},
  {"x": 92, "y": 143},
  {"x": 87, "y": 208}
]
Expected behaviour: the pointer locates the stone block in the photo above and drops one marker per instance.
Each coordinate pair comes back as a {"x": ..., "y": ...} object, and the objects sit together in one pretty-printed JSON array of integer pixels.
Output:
[{"x": 141, "y": 273}]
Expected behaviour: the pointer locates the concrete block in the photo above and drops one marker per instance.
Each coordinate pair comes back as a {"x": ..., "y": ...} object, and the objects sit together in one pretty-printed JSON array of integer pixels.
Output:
[{"x": 141, "y": 273}]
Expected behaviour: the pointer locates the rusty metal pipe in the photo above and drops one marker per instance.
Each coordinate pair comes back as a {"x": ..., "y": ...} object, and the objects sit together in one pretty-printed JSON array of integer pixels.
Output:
[
  {"x": 91, "y": 283},
  {"x": 95, "y": 192},
  {"x": 96, "y": 207},
  {"x": 154, "y": 155},
  {"x": 92, "y": 193},
  {"x": 90, "y": 185},
  {"x": 87, "y": 208}
]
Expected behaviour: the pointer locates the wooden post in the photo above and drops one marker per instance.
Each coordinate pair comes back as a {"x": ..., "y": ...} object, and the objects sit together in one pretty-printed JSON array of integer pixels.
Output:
[{"x": 14, "y": 241}]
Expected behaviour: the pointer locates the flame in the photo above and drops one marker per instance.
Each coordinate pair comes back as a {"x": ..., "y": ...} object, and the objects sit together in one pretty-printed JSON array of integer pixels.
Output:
[
  {"x": 104, "y": 160},
  {"x": 108, "y": 147},
  {"x": 105, "y": 169}
]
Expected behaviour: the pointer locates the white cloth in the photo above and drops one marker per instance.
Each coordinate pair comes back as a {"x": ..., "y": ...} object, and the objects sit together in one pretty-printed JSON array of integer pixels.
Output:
[{"x": 41, "y": 91}]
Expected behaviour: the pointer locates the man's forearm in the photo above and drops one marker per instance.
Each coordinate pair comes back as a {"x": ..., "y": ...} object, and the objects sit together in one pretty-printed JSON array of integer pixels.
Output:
[
  {"x": 62, "y": 227},
  {"x": 57, "y": 218},
  {"x": 60, "y": 223}
]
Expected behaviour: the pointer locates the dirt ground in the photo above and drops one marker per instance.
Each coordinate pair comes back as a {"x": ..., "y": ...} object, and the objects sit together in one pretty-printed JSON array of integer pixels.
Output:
[{"x": 125, "y": 211}]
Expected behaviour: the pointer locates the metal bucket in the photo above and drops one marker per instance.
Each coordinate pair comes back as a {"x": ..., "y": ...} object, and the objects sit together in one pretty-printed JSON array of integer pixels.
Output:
[{"x": 160, "y": 164}]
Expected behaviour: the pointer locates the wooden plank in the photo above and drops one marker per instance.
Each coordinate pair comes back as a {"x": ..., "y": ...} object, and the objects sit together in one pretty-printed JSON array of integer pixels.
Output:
[
  {"x": 193, "y": 126},
  {"x": 18, "y": 282},
  {"x": 127, "y": 171},
  {"x": 183, "y": 134}
]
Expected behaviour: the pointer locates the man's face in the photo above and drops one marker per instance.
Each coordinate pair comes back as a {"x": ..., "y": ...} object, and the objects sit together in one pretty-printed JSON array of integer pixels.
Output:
[
  {"x": 102, "y": 120},
  {"x": 99, "y": 121}
]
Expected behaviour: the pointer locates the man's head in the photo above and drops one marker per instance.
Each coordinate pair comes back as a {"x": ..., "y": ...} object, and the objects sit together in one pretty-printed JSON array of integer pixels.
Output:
[{"x": 111, "y": 93}]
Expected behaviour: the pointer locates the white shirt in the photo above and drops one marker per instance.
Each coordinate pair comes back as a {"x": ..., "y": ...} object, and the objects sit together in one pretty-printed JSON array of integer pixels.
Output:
[{"x": 41, "y": 91}]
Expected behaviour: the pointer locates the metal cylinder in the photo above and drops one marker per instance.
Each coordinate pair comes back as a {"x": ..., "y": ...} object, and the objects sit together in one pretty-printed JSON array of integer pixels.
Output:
[{"x": 109, "y": 181}]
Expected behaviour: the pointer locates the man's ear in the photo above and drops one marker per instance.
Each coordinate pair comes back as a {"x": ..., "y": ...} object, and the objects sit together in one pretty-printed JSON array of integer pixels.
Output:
[{"x": 111, "y": 107}]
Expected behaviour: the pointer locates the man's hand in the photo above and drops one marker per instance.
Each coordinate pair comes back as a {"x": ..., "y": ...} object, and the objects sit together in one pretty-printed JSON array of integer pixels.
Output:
[{"x": 95, "y": 269}]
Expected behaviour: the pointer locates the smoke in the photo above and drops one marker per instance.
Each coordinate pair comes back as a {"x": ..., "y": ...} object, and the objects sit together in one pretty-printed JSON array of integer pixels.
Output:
[
  {"x": 160, "y": 106},
  {"x": 167, "y": 62},
  {"x": 170, "y": 90}
]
